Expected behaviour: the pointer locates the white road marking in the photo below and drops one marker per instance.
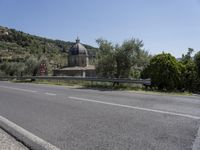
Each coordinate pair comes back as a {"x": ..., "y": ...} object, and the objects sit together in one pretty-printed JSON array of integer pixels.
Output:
[
  {"x": 19, "y": 89},
  {"x": 137, "y": 108},
  {"x": 52, "y": 94},
  {"x": 25, "y": 136}
]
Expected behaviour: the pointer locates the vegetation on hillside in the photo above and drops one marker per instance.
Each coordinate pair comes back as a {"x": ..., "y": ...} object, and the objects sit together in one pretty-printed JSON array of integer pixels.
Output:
[{"x": 17, "y": 48}]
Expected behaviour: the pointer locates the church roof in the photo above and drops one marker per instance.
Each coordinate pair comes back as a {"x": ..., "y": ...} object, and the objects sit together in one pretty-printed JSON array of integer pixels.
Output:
[{"x": 78, "y": 48}]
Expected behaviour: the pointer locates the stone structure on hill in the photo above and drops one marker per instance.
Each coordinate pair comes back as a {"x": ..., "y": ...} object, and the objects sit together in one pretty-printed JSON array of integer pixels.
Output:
[{"x": 78, "y": 63}]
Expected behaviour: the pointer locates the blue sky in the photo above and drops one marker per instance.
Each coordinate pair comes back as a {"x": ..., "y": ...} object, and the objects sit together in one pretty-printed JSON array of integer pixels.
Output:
[{"x": 163, "y": 25}]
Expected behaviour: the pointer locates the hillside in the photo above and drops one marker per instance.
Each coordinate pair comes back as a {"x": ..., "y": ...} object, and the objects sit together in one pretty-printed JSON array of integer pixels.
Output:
[{"x": 17, "y": 46}]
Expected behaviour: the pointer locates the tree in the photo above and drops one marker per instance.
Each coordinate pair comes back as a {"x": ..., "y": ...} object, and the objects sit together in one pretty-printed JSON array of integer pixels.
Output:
[
  {"x": 197, "y": 62},
  {"x": 164, "y": 71},
  {"x": 197, "y": 65},
  {"x": 189, "y": 76},
  {"x": 187, "y": 58},
  {"x": 127, "y": 55},
  {"x": 32, "y": 65},
  {"x": 13, "y": 68},
  {"x": 105, "y": 63},
  {"x": 19, "y": 68},
  {"x": 119, "y": 61},
  {"x": 2, "y": 73}
]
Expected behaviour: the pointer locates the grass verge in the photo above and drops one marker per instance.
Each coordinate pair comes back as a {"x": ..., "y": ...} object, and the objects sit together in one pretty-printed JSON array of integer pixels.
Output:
[{"x": 105, "y": 86}]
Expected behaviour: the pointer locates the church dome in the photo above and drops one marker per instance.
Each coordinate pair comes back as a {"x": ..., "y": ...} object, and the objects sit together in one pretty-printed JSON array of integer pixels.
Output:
[{"x": 78, "y": 48}]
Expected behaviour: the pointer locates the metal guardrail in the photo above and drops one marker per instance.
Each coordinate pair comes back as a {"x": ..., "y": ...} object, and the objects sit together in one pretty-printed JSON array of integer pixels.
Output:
[{"x": 113, "y": 80}]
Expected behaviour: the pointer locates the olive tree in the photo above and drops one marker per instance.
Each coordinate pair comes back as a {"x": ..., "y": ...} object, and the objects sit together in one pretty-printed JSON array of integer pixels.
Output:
[
  {"x": 32, "y": 65},
  {"x": 119, "y": 60},
  {"x": 105, "y": 63}
]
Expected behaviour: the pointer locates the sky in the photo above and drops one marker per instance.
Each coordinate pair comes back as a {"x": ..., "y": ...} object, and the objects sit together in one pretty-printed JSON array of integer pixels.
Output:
[{"x": 163, "y": 25}]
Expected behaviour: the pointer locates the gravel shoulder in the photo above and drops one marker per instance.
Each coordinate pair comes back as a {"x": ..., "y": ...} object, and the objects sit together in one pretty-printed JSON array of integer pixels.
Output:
[{"x": 7, "y": 142}]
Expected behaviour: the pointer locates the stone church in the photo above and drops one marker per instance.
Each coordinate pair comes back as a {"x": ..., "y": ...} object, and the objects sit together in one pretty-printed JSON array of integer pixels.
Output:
[{"x": 78, "y": 63}]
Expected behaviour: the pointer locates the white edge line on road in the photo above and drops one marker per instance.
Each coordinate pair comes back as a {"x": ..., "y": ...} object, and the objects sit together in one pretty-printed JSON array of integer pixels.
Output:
[
  {"x": 30, "y": 140},
  {"x": 137, "y": 108},
  {"x": 19, "y": 89},
  {"x": 51, "y": 94}
]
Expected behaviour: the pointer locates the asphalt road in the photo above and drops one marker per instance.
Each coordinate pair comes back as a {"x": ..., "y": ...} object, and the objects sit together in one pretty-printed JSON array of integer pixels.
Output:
[{"x": 83, "y": 119}]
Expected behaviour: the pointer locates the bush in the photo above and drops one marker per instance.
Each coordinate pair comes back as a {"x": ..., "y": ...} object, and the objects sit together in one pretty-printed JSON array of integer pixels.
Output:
[
  {"x": 2, "y": 73},
  {"x": 164, "y": 71},
  {"x": 32, "y": 65},
  {"x": 12, "y": 68}
]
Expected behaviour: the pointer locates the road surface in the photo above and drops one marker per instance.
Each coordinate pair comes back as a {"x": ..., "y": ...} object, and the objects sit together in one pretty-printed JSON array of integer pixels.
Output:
[{"x": 85, "y": 119}]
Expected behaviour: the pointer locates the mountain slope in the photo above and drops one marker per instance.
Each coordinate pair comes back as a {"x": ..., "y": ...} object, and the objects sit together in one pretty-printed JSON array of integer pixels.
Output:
[{"x": 16, "y": 45}]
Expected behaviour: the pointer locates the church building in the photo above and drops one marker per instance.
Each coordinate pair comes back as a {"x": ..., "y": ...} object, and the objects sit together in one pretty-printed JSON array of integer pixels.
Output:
[{"x": 78, "y": 63}]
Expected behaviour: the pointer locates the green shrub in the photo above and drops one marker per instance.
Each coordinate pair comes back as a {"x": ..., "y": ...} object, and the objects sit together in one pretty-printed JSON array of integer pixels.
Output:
[{"x": 164, "y": 71}]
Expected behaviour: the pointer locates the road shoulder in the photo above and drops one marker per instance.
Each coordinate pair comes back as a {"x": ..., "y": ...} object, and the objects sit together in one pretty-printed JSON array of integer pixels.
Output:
[
  {"x": 7, "y": 142},
  {"x": 196, "y": 145}
]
